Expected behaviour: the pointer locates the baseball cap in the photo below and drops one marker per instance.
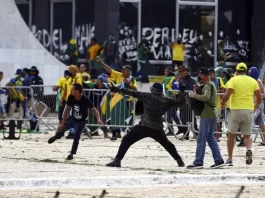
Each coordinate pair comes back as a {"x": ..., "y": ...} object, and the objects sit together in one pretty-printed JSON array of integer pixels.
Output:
[
  {"x": 73, "y": 67},
  {"x": 102, "y": 78},
  {"x": 182, "y": 68},
  {"x": 157, "y": 86},
  {"x": 18, "y": 71},
  {"x": 204, "y": 71},
  {"x": 241, "y": 67},
  {"x": 211, "y": 70},
  {"x": 127, "y": 67}
]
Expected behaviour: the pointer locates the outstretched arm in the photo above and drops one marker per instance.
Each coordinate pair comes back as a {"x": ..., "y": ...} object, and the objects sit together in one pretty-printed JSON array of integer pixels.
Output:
[
  {"x": 135, "y": 94},
  {"x": 177, "y": 102},
  {"x": 106, "y": 67}
]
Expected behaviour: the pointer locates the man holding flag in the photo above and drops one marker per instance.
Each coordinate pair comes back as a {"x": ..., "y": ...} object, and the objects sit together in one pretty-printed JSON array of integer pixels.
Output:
[
  {"x": 151, "y": 124},
  {"x": 120, "y": 105}
]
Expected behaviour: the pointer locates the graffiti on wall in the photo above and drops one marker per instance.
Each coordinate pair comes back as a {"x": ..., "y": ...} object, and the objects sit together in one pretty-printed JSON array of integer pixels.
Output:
[
  {"x": 127, "y": 43},
  {"x": 198, "y": 45},
  {"x": 238, "y": 50},
  {"x": 56, "y": 39}
]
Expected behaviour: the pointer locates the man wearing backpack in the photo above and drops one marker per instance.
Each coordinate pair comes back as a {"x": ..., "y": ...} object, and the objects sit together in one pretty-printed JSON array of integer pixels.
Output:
[{"x": 207, "y": 122}]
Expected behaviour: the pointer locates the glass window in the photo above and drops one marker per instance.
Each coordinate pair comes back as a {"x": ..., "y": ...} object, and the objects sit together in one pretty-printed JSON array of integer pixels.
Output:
[
  {"x": 128, "y": 37},
  {"x": 234, "y": 29},
  {"x": 84, "y": 28},
  {"x": 23, "y": 7},
  {"x": 196, "y": 29},
  {"x": 62, "y": 29}
]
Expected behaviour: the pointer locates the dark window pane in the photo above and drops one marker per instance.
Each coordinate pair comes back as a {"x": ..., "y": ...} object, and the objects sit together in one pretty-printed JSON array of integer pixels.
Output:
[
  {"x": 24, "y": 11},
  {"x": 85, "y": 29},
  {"x": 198, "y": 34},
  {"x": 62, "y": 29}
]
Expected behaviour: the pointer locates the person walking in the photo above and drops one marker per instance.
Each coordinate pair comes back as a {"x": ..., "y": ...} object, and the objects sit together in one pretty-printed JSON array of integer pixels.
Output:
[
  {"x": 259, "y": 120},
  {"x": 207, "y": 122},
  {"x": 151, "y": 124},
  {"x": 240, "y": 90},
  {"x": 79, "y": 104}
]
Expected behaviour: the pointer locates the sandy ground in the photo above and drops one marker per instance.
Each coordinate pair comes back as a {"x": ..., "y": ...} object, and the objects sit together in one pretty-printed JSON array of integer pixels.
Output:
[{"x": 32, "y": 157}]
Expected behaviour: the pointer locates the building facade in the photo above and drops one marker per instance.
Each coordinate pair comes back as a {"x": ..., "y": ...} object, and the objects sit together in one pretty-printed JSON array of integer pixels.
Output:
[{"x": 55, "y": 22}]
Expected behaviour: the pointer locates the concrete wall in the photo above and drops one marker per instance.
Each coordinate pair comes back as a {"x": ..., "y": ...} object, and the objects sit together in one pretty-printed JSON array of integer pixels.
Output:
[{"x": 19, "y": 48}]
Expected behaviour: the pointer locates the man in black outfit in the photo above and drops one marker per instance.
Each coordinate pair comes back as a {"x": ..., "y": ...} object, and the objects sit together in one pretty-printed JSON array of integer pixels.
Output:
[
  {"x": 151, "y": 124},
  {"x": 79, "y": 105}
]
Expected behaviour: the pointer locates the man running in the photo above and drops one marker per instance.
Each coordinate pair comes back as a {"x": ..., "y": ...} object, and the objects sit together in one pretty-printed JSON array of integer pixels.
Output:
[
  {"x": 151, "y": 124},
  {"x": 79, "y": 105}
]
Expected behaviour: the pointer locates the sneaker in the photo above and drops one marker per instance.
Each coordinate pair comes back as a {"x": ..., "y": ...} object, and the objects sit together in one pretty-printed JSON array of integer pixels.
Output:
[
  {"x": 113, "y": 138},
  {"x": 241, "y": 144},
  {"x": 229, "y": 163},
  {"x": 218, "y": 164},
  {"x": 195, "y": 166},
  {"x": 180, "y": 162},
  {"x": 186, "y": 138},
  {"x": 70, "y": 136},
  {"x": 69, "y": 157},
  {"x": 249, "y": 157},
  {"x": 114, "y": 163},
  {"x": 52, "y": 139},
  {"x": 119, "y": 135}
]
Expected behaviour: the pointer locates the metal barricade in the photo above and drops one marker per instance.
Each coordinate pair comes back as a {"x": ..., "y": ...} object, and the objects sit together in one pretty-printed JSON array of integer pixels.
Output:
[
  {"x": 116, "y": 110},
  {"x": 46, "y": 103},
  {"x": 222, "y": 120},
  {"x": 14, "y": 103},
  {"x": 182, "y": 116}
]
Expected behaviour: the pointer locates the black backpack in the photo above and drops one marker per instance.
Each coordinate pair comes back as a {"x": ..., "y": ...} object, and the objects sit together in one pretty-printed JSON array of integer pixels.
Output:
[{"x": 196, "y": 105}]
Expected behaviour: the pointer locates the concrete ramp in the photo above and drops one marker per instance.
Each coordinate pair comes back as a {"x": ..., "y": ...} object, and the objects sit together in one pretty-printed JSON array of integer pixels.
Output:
[{"x": 19, "y": 48}]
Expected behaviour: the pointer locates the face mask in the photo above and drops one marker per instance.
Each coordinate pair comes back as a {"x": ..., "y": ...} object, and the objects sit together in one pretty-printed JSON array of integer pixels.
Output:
[
  {"x": 22, "y": 79},
  {"x": 199, "y": 78}
]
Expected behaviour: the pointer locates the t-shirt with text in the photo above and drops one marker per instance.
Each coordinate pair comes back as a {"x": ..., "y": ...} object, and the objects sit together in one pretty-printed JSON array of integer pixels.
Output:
[{"x": 79, "y": 107}]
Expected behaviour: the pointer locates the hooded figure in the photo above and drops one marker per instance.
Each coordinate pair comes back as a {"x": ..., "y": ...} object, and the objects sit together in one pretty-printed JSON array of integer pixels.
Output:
[{"x": 254, "y": 73}]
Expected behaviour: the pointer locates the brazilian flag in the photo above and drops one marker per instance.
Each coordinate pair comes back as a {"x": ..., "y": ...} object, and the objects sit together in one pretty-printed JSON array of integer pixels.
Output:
[
  {"x": 104, "y": 112},
  {"x": 119, "y": 111}
]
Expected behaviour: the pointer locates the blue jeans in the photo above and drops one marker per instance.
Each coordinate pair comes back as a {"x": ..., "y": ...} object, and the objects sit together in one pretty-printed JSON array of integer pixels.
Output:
[
  {"x": 79, "y": 127},
  {"x": 206, "y": 134}
]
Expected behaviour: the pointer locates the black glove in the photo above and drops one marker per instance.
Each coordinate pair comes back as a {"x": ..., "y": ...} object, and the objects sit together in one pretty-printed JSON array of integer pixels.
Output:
[
  {"x": 115, "y": 89},
  {"x": 182, "y": 87}
]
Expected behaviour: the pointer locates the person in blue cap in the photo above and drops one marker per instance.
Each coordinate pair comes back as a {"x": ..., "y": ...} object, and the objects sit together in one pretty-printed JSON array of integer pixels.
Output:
[
  {"x": 96, "y": 98},
  {"x": 258, "y": 118}
]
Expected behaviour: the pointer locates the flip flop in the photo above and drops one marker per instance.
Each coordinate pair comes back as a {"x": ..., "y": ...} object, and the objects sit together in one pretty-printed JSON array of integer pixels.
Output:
[{"x": 262, "y": 144}]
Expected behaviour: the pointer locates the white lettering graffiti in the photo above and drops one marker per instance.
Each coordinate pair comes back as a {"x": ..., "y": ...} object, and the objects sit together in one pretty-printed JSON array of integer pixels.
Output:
[
  {"x": 160, "y": 40},
  {"x": 83, "y": 35}
]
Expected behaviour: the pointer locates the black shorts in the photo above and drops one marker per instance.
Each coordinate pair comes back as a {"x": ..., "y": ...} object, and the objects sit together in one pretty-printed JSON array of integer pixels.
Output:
[
  {"x": 61, "y": 109},
  {"x": 176, "y": 64}
]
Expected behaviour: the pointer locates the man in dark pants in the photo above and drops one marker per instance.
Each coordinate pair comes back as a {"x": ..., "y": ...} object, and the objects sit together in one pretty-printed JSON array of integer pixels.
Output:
[
  {"x": 79, "y": 105},
  {"x": 151, "y": 124}
]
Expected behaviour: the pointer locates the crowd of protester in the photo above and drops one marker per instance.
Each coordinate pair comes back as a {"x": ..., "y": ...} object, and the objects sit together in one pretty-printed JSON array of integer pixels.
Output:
[{"x": 101, "y": 71}]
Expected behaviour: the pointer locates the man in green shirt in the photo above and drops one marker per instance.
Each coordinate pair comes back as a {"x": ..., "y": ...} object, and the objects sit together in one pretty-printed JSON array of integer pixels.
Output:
[{"x": 207, "y": 122}]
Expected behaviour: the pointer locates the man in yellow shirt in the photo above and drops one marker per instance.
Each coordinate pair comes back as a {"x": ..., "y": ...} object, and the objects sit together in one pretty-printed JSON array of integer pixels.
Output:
[
  {"x": 93, "y": 51},
  {"x": 240, "y": 90},
  {"x": 123, "y": 79},
  {"x": 178, "y": 53},
  {"x": 61, "y": 85}
]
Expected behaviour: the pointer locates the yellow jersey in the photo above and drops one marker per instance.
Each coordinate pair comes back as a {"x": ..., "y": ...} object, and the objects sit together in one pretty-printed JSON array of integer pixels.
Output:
[{"x": 242, "y": 96}]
